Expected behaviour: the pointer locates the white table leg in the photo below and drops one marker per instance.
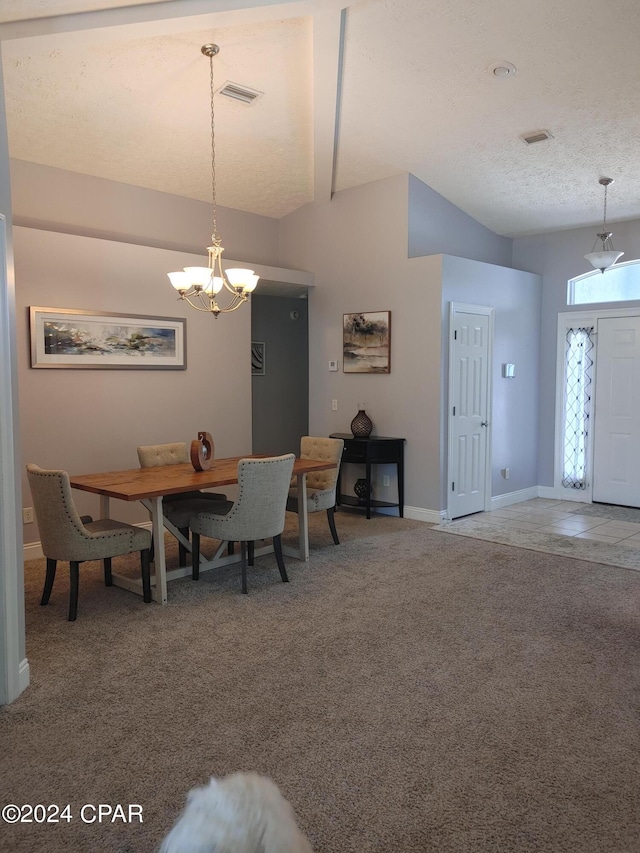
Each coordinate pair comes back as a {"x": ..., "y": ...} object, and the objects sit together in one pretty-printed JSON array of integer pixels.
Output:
[
  {"x": 104, "y": 506},
  {"x": 159, "y": 558}
]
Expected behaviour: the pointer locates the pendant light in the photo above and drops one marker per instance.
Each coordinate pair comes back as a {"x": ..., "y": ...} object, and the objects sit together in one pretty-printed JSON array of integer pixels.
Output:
[
  {"x": 606, "y": 256},
  {"x": 200, "y": 286}
]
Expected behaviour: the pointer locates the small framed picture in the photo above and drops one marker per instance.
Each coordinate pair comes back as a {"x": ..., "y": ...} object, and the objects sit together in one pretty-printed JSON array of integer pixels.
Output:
[
  {"x": 366, "y": 342},
  {"x": 258, "y": 364}
]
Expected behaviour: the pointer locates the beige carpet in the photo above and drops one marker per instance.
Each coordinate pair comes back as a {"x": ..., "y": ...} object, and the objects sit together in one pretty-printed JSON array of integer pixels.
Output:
[{"x": 408, "y": 691}]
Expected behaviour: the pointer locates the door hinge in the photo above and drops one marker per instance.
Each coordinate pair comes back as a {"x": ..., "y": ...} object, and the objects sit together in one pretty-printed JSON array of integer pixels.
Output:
[
  {"x": 453, "y": 487},
  {"x": 454, "y": 410},
  {"x": 455, "y": 334}
]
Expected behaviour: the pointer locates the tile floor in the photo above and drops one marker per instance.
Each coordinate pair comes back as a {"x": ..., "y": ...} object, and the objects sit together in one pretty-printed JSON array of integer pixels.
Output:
[{"x": 563, "y": 518}]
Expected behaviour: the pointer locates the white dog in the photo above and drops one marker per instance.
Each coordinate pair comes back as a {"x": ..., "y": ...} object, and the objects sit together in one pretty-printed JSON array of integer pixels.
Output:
[{"x": 243, "y": 813}]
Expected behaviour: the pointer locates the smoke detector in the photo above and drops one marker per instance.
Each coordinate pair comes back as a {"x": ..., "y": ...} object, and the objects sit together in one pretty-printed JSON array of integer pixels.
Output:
[
  {"x": 502, "y": 69},
  {"x": 239, "y": 92},
  {"x": 536, "y": 136}
]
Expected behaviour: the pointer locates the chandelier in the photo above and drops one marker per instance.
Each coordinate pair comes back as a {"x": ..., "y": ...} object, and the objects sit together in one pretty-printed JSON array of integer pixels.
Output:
[
  {"x": 200, "y": 286},
  {"x": 606, "y": 256}
]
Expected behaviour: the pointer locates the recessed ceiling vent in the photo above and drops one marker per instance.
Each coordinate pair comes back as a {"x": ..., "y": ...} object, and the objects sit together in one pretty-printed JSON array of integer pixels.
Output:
[
  {"x": 537, "y": 136},
  {"x": 239, "y": 92}
]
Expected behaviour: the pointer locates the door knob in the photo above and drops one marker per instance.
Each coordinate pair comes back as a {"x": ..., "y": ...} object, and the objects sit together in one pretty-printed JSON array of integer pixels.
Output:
[{"x": 484, "y": 423}]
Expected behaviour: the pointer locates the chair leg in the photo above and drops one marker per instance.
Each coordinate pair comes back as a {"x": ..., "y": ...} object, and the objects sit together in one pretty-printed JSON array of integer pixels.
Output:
[
  {"x": 182, "y": 551},
  {"x": 277, "y": 547},
  {"x": 152, "y": 550},
  {"x": 243, "y": 555},
  {"x": 74, "y": 569},
  {"x": 251, "y": 552},
  {"x": 48, "y": 583},
  {"x": 332, "y": 525},
  {"x": 195, "y": 556},
  {"x": 108, "y": 577},
  {"x": 146, "y": 574}
]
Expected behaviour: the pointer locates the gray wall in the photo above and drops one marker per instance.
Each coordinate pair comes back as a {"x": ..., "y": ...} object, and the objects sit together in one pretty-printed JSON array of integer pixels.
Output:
[
  {"x": 438, "y": 227},
  {"x": 516, "y": 298},
  {"x": 558, "y": 257},
  {"x": 92, "y": 420},
  {"x": 357, "y": 246},
  {"x": 56, "y": 200},
  {"x": 280, "y": 398}
]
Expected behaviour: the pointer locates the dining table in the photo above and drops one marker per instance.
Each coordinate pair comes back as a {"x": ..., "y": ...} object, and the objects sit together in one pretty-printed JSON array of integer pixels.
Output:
[{"x": 151, "y": 485}]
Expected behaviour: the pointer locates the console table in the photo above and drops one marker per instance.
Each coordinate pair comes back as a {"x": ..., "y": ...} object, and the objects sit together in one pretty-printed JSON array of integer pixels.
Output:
[{"x": 375, "y": 450}]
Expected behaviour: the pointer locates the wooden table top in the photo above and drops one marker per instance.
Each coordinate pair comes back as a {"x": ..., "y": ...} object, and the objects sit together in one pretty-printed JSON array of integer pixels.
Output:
[{"x": 140, "y": 483}]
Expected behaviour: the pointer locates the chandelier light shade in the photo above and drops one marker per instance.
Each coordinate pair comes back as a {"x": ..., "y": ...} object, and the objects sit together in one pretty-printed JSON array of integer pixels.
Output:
[
  {"x": 200, "y": 286},
  {"x": 604, "y": 256}
]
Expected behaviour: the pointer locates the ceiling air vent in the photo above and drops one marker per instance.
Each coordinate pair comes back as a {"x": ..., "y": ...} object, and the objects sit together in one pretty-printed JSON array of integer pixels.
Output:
[
  {"x": 239, "y": 92},
  {"x": 537, "y": 136}
]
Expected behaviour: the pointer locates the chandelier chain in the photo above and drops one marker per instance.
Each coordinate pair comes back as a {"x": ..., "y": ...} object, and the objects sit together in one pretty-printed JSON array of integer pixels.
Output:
[
  {"x": 214, "y": 236},
  {"x": 604, "y": 224}
]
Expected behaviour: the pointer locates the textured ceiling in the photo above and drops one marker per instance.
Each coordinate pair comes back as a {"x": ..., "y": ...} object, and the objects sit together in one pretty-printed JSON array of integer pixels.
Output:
[{"x": 122, "y": 93}]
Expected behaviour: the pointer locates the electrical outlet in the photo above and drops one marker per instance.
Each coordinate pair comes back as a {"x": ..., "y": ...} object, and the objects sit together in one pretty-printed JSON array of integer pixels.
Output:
[
  {"x": 334, "y": 405},
  {"x": 27, "y": 515},
  {"x": 385, "y": 480}
]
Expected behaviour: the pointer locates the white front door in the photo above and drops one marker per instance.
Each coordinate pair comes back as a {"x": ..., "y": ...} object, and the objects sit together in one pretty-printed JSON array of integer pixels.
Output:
[
  {"x": 616, "y": 447},
  {"x": 470, "y": 331}
]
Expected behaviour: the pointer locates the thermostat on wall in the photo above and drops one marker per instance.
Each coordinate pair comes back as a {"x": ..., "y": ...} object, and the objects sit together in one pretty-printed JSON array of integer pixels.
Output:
[{"x": 333, "y": 365}]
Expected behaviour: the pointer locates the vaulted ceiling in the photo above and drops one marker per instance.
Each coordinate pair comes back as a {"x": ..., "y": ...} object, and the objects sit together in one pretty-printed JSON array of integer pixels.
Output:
[{"x": 119, "y": 89}]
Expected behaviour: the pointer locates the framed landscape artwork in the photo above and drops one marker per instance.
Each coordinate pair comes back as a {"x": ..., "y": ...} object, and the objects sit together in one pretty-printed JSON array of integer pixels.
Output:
[
  {"x": 366, "y": 342},
  {"x": 72, "y": 338}
]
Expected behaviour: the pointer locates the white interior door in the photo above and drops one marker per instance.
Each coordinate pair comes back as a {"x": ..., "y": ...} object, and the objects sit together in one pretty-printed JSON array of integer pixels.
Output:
[
  {"x": 469, "y": 360},
  {"x": 616, "y": 461}
]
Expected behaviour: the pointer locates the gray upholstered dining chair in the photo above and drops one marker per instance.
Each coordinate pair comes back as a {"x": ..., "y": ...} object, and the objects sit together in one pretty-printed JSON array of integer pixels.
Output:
[
  {"x": 65, "y": 536},
  {"x": 321, "y": 485},
  {"x": 178, "y": 509},
  {"x": 258, "y": 513}
]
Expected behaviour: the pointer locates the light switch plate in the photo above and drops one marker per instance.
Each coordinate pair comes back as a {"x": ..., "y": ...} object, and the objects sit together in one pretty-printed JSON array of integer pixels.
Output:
[{"x": 333, "y": 366}]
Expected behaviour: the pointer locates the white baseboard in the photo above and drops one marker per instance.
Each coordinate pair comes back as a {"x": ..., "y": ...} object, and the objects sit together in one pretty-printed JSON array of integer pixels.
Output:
[
  {"x": 32, "y": 551},
  {"x": 549, "y": 492},
  {"x": 515, "y": 497},
  {"x": 431, "y": 516},
  {"x": 24, "y": 675}
]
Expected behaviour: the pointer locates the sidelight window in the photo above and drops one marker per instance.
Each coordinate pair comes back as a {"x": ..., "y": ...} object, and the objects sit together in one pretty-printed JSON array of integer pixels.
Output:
[{"x": 577, "y": 406}]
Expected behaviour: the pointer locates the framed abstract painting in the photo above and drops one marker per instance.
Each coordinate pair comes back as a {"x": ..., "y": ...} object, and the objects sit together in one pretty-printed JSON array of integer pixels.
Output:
[{"x": 72, "y": 338}]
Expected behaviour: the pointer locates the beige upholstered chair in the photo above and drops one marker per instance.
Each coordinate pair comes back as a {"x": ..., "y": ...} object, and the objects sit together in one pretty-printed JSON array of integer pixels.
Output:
[
  {"x": 321, "y": 485},
  {"x": 64, "y": 536},
  {"x": 178, "y": 509},
  {"x": 258, "y": 513}
]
